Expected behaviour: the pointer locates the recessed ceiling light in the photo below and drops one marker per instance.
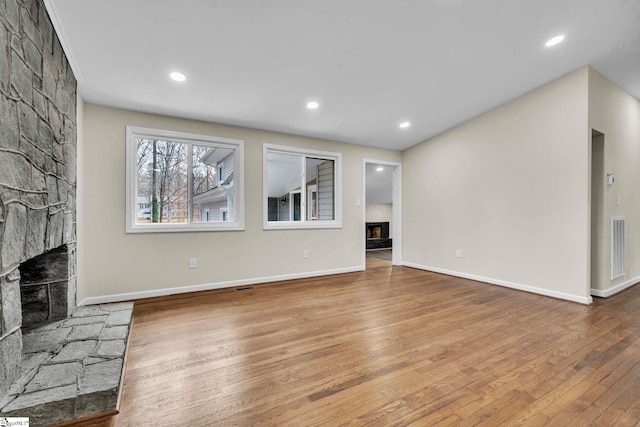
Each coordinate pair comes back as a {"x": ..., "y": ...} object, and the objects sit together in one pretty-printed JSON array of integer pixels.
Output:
[
  {"x": 312, "y": 105},
  {"x": 379, "y": 169},
  {"x": 554, "y": 40},
  {"x": 179, "y": 77},
  {"x": 405, "y": 125}
]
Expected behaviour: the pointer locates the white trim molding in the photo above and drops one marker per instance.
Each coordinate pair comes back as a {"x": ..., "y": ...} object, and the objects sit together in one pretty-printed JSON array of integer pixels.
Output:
[
  {"x": 129, "y": 296},
  {"x": 62, "y": 37},
  {"x": 504, "y": 283},
  {"x": 605, "y": 293}
]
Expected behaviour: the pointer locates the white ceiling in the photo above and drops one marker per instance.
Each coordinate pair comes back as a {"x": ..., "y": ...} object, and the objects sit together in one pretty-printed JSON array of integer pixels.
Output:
[{"x": 369, "y": 63}]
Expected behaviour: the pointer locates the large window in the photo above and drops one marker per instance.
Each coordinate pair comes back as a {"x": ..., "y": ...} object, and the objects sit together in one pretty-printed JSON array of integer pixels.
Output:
[
  {"x": 302, "y": 188},
  {"x": 183, "y": 182}
]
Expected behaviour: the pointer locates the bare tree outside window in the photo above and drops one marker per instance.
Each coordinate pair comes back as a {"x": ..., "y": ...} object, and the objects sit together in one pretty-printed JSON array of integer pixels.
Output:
[
  {"x": 204, "y": 174},
  {"x": 182, "y": 182},
  {"x": 162, "y": 179}
]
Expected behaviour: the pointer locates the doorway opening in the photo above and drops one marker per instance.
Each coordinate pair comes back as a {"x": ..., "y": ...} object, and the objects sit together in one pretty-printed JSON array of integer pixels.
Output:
[{"x": 382, "y": 211}]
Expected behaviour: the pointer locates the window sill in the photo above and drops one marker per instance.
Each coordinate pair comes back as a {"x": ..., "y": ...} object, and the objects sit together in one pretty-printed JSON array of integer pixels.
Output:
[
  {"x": 296, "y": 225},
  {"x": 183, "y": 228}
]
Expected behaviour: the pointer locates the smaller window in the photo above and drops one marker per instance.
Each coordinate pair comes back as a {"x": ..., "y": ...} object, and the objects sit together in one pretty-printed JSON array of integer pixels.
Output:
[
  {"x": 302, "y": 188},
  {"x": 183, "y": 182}
]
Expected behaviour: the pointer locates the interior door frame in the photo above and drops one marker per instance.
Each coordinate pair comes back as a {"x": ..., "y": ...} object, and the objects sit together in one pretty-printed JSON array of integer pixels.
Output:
[{"x": 396, "y": 203}]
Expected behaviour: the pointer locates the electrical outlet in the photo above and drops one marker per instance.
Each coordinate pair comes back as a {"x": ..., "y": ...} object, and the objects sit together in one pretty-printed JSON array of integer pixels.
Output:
[
  {"x": 458, "y": 253},
  {"x": 305, "y": 253},
  {"x": 193, "y": 263}
]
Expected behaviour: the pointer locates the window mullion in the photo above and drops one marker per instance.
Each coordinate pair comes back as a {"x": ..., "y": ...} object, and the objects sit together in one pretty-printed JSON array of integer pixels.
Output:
[{"x": 189, "y": 183}]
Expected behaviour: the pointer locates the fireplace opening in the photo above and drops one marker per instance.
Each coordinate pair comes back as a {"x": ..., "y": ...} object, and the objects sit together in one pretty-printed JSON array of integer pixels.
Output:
[
  {"x": 44, "y": 288},
  {"x": 374, "y": 232},
  {"x": 377, "y": 235},
  {"x": 377, "y": 230}
]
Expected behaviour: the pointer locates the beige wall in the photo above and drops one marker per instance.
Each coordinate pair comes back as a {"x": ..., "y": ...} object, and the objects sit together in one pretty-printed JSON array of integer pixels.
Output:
[
  {"x": 380, "y": 212},
  {"x": 118, "y": 263},
  {"x": 616, "y": 114},
  {"x": 80, "y": 218},
  {"x": 510, "y": 189}
]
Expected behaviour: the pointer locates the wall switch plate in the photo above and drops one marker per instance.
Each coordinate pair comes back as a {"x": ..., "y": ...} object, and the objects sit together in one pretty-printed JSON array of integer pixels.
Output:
[
  {"x": 193, "y": 263},
  {"x": 458, "y": 253},
  {"x": 305, "y": 253}
]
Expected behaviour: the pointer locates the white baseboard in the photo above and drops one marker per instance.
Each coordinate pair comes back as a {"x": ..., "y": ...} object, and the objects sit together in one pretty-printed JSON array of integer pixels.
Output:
[
  {"x": 615, "y": 289},
  {"x": 209, "y": 286},
  {"x": 512, "y": 285}
]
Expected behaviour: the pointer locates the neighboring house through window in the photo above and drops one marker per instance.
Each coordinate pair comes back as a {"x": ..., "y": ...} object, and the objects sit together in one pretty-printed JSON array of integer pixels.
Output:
[
  {"x": 183, "y": 182},
  {"x": 302, "y": 188}
]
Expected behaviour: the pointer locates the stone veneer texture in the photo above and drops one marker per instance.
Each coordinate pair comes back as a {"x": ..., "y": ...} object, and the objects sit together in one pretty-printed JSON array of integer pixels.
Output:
[{"x": 37, "y": 161}]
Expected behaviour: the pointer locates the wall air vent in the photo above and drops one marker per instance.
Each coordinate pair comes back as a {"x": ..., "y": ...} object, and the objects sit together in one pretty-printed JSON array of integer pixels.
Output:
[{"x": 618, "y": 247}]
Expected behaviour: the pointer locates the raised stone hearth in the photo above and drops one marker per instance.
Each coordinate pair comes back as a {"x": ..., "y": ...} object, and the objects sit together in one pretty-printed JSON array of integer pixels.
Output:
[{"x": 71, "y": 368}]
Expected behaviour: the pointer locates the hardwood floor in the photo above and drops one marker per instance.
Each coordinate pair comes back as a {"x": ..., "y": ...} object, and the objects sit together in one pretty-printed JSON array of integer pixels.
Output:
[
  {"x": 386, "y": 347},
  {"x": 380, "y": 253}
]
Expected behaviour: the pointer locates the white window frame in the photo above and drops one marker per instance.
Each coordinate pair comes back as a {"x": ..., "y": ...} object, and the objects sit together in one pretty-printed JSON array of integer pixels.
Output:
[
  {"x": 304, "y": 223},
  {"x": 133, "y": 133}
]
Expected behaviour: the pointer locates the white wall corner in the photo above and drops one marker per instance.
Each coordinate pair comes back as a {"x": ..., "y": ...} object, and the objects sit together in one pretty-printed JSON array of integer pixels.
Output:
[{"x": 605, "y": 293}]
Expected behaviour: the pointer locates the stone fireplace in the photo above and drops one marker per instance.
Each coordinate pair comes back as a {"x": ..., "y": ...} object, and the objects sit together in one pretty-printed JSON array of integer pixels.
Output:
[
  {"x": 37, "y": 179},
  {"x": 58, "y": 362}
]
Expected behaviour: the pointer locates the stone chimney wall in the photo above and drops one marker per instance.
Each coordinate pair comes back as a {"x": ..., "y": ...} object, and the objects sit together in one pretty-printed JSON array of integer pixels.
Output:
[{"x": 37, "y": 162}]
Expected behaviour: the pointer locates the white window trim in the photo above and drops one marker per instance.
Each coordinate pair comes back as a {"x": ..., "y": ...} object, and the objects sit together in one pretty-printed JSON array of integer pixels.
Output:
[
  {"x": 284, "y": 225},
  {"x": 134, "y": 132}
]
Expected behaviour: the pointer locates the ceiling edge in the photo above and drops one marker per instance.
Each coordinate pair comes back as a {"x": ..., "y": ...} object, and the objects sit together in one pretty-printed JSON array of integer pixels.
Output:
[{"x": 66, "y": 47}]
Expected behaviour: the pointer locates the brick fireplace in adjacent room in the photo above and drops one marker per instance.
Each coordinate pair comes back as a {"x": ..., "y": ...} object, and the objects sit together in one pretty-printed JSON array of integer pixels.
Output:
[
  {"x": 377, "y": 235},
  {"x": 37, "y": 179}
]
